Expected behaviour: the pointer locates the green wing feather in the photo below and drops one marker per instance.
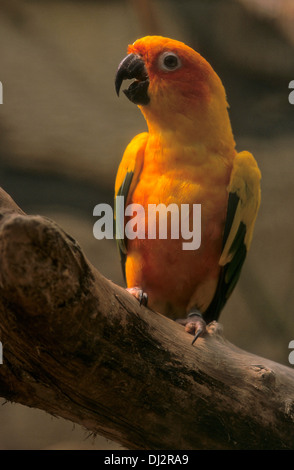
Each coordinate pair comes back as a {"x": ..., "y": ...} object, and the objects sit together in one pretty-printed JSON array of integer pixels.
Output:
[
  {"x": 121, "y": 242},
  {"x": 230, "y": 273},
  {"x": 127, "y": 177},
  {"x": 242, "y": 209}
]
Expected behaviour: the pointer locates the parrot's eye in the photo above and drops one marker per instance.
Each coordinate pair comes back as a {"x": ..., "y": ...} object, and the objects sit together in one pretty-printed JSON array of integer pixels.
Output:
[{"x": 169, "y": 61}]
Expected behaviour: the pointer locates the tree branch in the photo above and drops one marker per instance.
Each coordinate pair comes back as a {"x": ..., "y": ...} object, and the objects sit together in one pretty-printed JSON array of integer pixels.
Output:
[{"x": 78, "y": 346}]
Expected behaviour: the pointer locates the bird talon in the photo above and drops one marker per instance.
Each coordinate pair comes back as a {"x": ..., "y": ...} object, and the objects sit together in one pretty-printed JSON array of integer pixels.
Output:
[
  {"x": 139, "y": 294},
  {"x": 200, "y": 332},
  {"x": 194, "y": 326}
]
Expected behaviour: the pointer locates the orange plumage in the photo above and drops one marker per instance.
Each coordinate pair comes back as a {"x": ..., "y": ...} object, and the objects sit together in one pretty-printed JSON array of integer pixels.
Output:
[{"x": 188, "y": 156}]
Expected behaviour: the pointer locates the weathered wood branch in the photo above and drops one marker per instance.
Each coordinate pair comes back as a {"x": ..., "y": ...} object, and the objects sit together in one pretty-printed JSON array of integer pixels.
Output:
[{"x": 78, "y": 346}]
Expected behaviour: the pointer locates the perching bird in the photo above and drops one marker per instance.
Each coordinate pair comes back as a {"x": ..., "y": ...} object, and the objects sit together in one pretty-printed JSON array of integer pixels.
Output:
[{"x": 188, "y": 156}]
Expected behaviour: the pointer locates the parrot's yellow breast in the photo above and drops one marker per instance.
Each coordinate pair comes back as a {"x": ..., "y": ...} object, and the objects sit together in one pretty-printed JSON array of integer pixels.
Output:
[{"x": 161, "y": 266}]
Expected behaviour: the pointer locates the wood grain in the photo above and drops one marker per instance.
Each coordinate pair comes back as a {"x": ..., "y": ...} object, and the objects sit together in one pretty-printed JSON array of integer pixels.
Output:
[{"x": 80, "y": 347}]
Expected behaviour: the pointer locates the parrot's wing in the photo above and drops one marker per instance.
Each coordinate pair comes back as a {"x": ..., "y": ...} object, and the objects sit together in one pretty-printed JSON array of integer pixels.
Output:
[
  {"x": 126, "y": 180},
  {"x": 243, "y": 205}
]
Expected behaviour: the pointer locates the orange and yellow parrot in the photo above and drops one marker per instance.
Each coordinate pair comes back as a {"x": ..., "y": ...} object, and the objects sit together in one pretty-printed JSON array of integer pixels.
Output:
[{"x": 188, "y": 156}]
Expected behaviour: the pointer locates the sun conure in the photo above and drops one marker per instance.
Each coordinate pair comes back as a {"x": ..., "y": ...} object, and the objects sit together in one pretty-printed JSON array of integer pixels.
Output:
[{"x": 188, "y": 156}]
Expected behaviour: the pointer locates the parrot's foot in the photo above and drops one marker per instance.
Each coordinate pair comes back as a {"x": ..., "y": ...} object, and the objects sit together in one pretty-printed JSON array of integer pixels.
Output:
[
  {"x": 139, "y": 294},
  {"x": 194, "y": 324}
]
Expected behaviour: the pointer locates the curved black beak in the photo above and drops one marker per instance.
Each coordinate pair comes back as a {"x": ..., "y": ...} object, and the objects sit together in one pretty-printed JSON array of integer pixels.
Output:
[{"x": 133, "y": 66}]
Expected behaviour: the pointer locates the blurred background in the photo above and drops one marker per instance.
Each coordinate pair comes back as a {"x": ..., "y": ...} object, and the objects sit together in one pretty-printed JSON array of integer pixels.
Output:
[{"x": 63, "y": 131}]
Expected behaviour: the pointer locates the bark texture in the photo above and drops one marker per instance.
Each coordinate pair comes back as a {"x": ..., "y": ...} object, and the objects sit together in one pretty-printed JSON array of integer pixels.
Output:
[{"x": 78, "y": 346}]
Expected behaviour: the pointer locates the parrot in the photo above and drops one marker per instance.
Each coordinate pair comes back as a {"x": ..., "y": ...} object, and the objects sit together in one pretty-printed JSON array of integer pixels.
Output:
[{"x": 187, "y": 156}]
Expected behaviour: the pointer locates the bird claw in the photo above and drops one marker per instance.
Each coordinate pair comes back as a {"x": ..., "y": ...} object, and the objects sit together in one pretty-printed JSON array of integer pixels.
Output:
[
  {"x": 139, "y": 294},
  {"x": 194, "y": 324}
]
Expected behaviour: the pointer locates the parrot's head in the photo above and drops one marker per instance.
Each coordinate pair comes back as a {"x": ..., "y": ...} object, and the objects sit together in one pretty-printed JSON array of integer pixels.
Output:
[{"x": 171, "y": 79}]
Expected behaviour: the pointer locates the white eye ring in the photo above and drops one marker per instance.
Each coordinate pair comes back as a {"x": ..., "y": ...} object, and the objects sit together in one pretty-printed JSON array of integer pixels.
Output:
[{"x": 169, "y": 61}]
